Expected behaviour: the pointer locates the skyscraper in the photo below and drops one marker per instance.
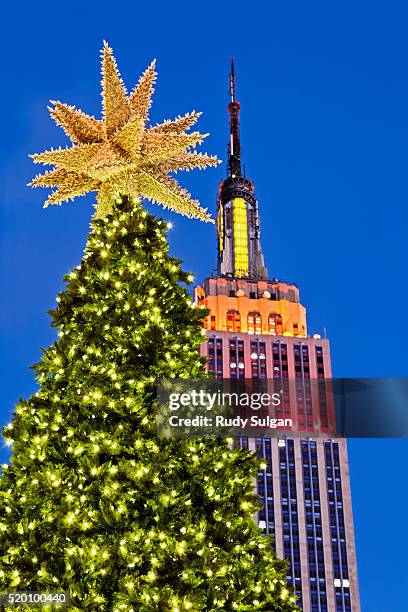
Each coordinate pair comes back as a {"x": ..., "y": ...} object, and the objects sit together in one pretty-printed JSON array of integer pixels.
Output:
[{"x": 257, "y": 329}]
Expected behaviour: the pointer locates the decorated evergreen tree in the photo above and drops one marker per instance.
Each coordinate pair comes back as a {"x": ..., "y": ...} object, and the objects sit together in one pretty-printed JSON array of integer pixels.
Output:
[{"x": 92, "y": 502}]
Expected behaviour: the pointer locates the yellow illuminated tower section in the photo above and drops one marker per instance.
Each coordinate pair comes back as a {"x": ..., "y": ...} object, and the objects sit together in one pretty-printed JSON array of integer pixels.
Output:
[{"x": 256, "y": 329}]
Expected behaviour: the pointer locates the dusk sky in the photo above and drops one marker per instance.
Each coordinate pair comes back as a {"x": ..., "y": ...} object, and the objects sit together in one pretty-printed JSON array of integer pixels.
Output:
[{"x": 324, "y": 107}]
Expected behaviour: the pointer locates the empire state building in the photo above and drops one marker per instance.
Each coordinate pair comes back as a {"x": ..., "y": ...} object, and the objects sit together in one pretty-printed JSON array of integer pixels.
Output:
[{"x": 257, "y": 329}]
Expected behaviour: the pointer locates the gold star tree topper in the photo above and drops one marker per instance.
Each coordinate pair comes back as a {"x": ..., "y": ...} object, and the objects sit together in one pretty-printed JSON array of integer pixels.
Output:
[{"x": 121, "y": 153}]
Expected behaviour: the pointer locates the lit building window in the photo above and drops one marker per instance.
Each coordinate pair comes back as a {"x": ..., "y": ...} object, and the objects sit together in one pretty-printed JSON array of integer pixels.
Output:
[
  {"x": 275, "y": 324},
  {"x": 254, "y": 323},
  {"x": 319, "y": 362},
  {"x": 215, "y": 360},
  {"x": 280, "y": 375},
  {"x": 258, "y": 359},
  {"x": 311, "y": 493},
  {"x": 266, "y": 515},
  {"x": 237, "y": 358},
  {"x": 336, "y": 518},
  {"x": 321, "y": 386},
  {"x": 233, "y": 321},
  {"x": 289, "y": 510}
]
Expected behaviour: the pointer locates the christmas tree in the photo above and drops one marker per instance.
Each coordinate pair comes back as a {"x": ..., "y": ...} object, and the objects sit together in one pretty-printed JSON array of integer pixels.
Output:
[{"x": 93, "y": 503}]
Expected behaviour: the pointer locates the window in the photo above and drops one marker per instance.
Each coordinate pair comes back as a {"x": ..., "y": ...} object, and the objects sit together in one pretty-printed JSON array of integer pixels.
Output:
[
  {"x": 258, "y": 359},
  {"x": 275, "y": 324},
  {"x": 215, "y": 360},
  {"x": 319, "y": 362},
  {"x": 237, "y": 359},
  {"x": 233, "y": 321},
  {"x": 254, "y": 323}
]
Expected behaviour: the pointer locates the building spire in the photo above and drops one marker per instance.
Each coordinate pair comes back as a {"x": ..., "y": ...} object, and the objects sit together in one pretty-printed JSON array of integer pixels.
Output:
[
  {"x": 232, "y": 81},
  {"x": 234, "y": 147},
  {"x": 239, "y": 248}
]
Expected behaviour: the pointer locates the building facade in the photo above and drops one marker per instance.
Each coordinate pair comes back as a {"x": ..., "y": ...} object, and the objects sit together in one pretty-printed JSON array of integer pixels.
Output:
[{"x": 257, "y": 329}]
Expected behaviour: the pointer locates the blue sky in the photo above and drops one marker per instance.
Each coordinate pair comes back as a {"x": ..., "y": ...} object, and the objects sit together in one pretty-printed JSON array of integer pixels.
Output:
[{"x": 324, "y": 95}]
